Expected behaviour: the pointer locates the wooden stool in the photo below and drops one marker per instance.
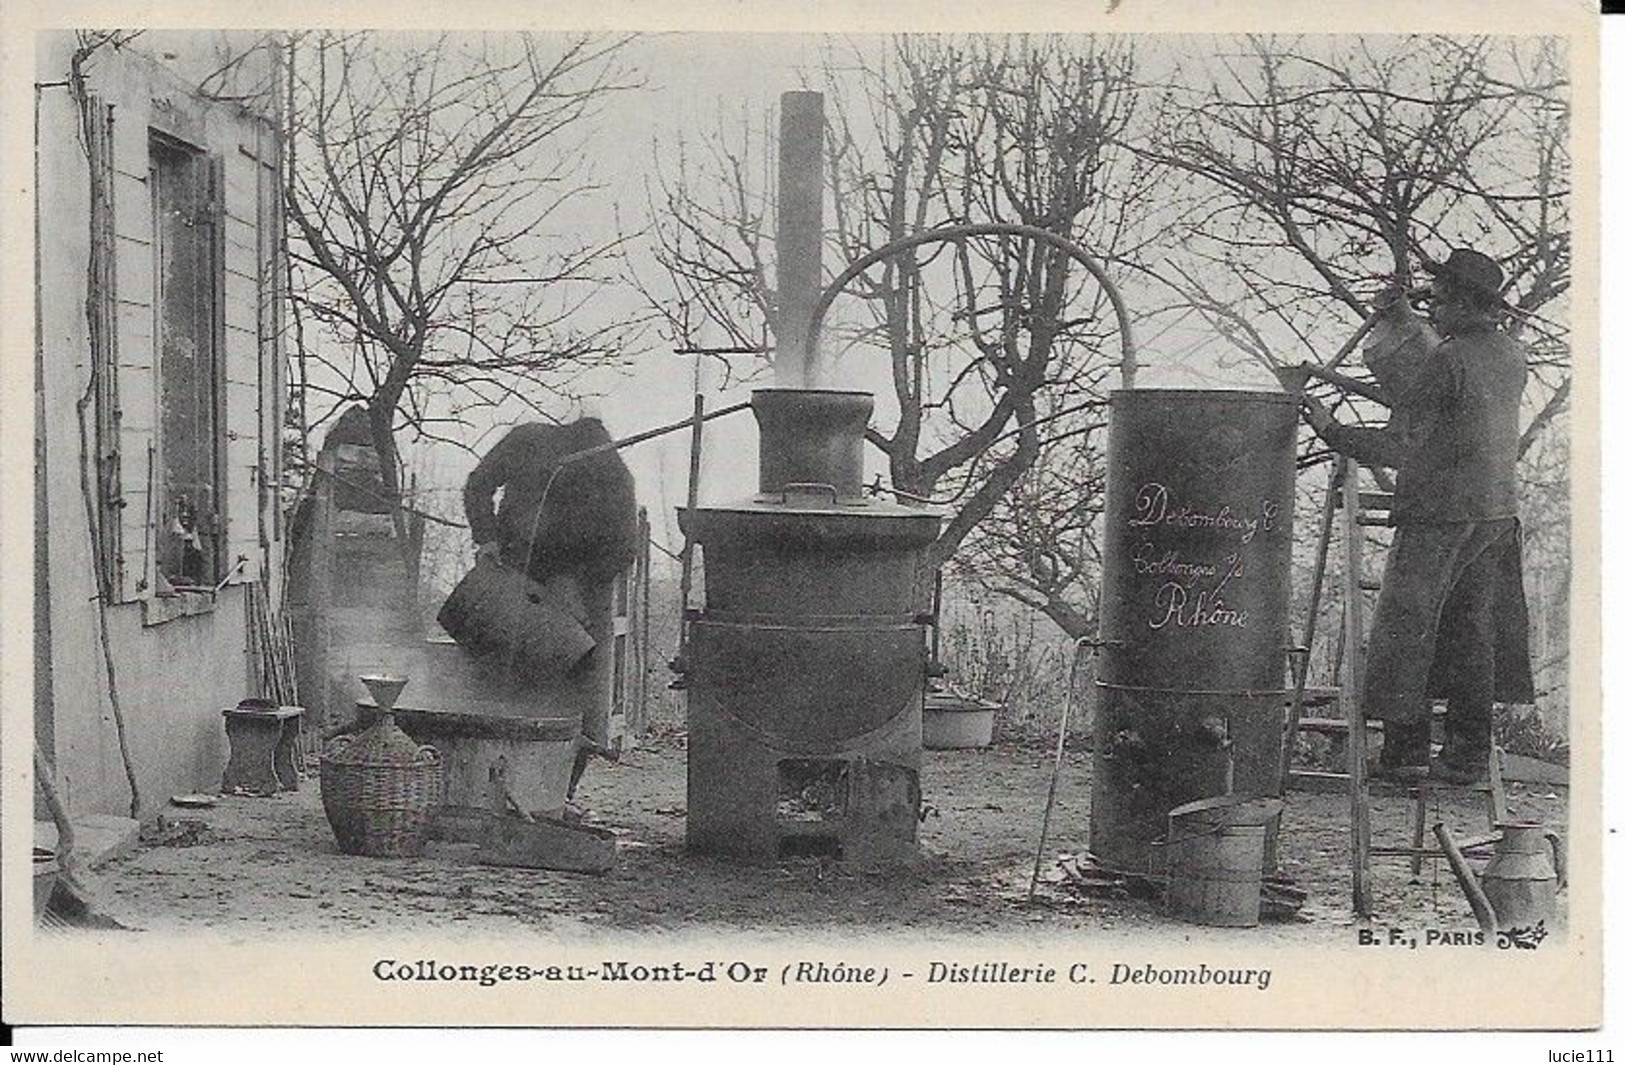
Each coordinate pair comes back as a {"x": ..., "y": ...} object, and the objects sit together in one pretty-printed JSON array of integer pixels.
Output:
[{"x": 264, "y": 742}]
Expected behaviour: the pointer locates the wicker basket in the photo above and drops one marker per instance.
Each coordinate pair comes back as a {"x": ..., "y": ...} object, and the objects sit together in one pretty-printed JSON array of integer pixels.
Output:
[{"x": 380, "y": 791}]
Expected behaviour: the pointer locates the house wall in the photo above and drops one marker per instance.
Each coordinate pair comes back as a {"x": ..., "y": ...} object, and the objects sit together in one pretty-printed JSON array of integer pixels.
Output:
[{"x": 178, "y": 661}]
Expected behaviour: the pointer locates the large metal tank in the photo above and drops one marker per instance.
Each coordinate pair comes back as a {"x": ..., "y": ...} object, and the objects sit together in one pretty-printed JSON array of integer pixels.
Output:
[
  {"x": 1194, "y": 608},
  {"x": 807, "y": 664}
]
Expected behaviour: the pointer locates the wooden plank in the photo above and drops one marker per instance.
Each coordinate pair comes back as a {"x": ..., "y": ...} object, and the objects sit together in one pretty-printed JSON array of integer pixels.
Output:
[
  {"x": 242, "y": 186},
  {"x": 1354, "y": 693},
  {"x": 242, "y": 303},
  {"x": 1300, "y": 689},
  {"x": 138, "y": 398},
  {"x": 1332, "y": 724},
  {"x": 132, "y": 264},
  {"x": 1325, "y": 782},
  {"x": 1526, "y": 770},
  {"x": 1496, "y": 803},
  {"x": 546, "y": 844},
  {"x": 134, "y": 323}
]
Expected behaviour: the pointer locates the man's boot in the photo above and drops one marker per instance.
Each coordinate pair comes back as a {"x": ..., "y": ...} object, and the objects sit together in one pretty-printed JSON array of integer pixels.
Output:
[
  {"x": 1405, "y": 747},
  {"x": 1465, "y": 756}
]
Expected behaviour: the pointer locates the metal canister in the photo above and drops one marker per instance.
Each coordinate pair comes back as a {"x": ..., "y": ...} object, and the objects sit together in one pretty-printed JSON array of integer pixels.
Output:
[
  {"x": 1524, "y": 874},
  {"x": 1197, "y": 549},
  {"x": 811, "y": 437}
]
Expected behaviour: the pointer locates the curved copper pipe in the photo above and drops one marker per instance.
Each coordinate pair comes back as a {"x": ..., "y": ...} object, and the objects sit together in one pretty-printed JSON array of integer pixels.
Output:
[{"x": 944, "y": 234}]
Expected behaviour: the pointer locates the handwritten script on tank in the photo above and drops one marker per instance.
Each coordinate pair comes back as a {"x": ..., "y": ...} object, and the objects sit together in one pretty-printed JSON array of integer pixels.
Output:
[{"x": 1190, "y": 593}]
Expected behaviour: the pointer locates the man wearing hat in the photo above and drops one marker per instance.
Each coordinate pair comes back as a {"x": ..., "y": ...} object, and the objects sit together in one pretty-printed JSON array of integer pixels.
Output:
[{"x": 1451, "y": 621}]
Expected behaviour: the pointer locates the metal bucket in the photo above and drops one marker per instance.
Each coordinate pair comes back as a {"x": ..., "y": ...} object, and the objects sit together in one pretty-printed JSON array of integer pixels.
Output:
[
  {"x": 954, "y": 722},
  {"x": 1215, "y": 859},
  {"x": 534, "y": 628}
]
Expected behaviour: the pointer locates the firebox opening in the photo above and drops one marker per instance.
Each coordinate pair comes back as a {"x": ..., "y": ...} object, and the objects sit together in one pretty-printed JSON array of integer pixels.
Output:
[
  {"x": 812, "y": 789},
  {"x": 810, "y": 845}
]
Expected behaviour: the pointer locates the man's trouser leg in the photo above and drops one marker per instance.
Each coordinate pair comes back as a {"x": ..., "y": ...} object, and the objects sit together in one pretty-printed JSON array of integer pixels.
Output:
[
  {"x": 1403, "y": 628},
  {"x": 1424, "y": 564},
  {"x": 1465, "y": 663}
]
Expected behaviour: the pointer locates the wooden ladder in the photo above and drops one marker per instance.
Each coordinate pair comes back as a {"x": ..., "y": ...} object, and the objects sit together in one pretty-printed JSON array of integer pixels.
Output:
[{"x": 1359, "y": 511}]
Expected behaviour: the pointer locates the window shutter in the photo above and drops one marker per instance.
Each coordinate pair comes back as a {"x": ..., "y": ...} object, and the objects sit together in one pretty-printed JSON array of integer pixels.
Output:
[{"x": 223, "y": 479}]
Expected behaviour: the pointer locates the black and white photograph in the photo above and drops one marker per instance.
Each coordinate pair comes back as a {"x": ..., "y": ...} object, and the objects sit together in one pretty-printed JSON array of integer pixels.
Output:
[{"x": 1068, "y": 523}]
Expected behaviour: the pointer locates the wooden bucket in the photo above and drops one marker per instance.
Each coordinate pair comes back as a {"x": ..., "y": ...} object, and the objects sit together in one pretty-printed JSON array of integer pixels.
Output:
[
  {"x": 534, "y": 628},
  {"x": 1215, "y": 859}
]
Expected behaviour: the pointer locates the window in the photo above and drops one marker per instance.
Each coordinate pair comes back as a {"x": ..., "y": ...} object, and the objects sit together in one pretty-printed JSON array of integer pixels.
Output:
[{"x": 189, "y": 533}]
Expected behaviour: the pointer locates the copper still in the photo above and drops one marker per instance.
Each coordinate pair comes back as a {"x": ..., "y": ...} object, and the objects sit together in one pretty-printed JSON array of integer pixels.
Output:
[{"x": 806, "y": 666}]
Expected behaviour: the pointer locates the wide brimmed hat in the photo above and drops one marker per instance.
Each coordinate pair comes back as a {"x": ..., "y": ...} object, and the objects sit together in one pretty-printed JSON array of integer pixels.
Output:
[{"x": 1473, "y": 270}]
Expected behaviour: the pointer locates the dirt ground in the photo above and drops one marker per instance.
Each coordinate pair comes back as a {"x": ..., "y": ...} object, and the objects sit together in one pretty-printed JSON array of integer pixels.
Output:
[{"x": 254, "y": 866}]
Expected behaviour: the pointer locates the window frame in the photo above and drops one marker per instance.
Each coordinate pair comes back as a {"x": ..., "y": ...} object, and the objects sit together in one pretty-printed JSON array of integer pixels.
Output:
[{"x": 205, "y": 168}]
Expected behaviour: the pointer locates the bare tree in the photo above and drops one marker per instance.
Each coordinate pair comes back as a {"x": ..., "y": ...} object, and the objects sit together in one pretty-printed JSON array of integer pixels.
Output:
[
  {"x": 998, "y": 346},
  {"x": 1040, "y": 546},
  {"x": 1318, "y": 173},
  {"x": 434, "y": 195}
]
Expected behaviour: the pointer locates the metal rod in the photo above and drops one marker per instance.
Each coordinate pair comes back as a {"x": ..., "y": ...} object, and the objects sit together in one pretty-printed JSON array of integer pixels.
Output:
[
  {"x": 800, "y": 238},
  {"x": 659, "y": 430},
  {"x": 686, "y": 583},
  {"x": 1055, "y": 773},
  {"x": 597, "y": 449},
  {"x": 936, "y": 619},
  {"x": 1384, "y": 480},
  {"x": 643, "y": 571}
]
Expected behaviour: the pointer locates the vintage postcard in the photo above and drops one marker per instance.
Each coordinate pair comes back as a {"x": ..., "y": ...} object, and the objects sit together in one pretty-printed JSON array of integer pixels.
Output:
[{"x": 1071, "y": 516}]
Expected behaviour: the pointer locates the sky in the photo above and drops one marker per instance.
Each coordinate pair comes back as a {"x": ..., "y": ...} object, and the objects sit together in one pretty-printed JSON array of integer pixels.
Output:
[{"x": 693, "y": 85}]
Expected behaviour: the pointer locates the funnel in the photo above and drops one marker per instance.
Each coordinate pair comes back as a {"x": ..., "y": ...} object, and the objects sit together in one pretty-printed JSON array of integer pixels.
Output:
[{"x": 384, "y": 688}]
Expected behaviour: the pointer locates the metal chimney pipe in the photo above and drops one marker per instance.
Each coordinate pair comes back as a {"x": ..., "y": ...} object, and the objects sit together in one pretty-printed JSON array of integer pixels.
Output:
[{"x": 799, "y": 242}]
